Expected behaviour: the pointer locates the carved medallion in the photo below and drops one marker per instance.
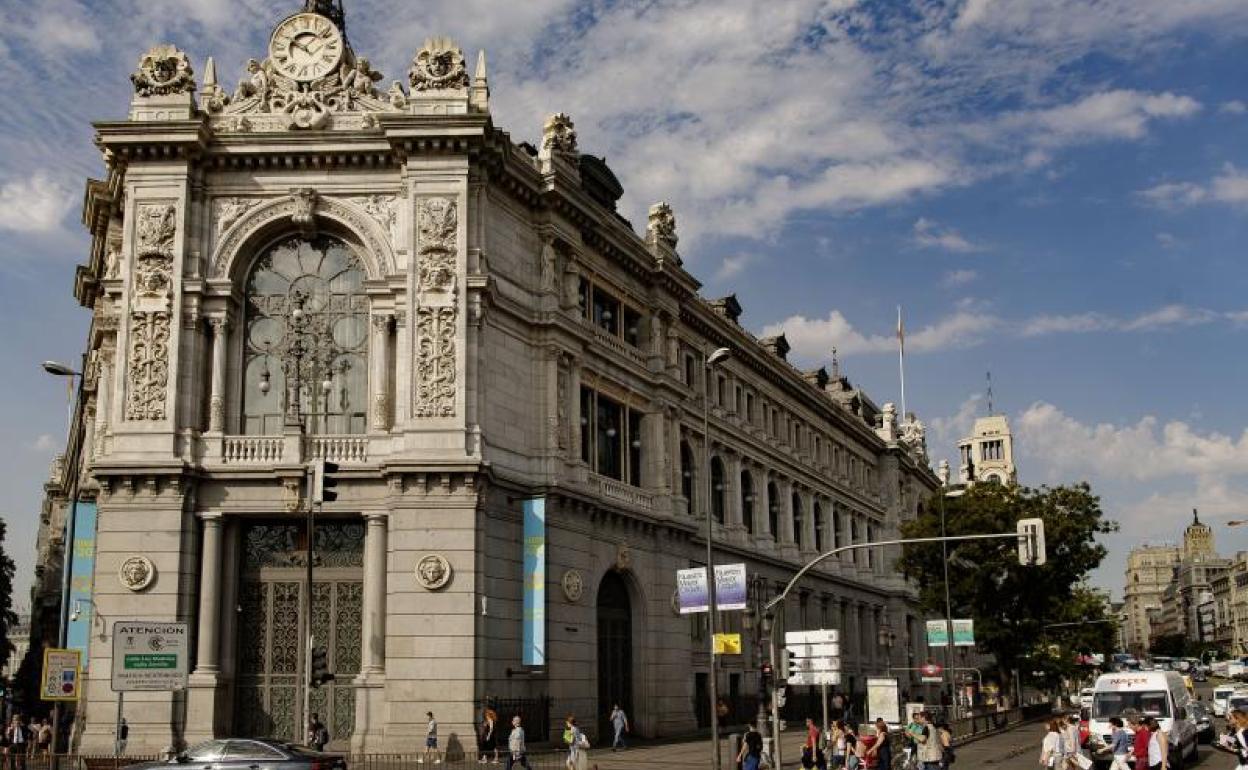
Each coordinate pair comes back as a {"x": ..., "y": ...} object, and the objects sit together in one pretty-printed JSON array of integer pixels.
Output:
[
  {"x": 433, "y": 571},
  {"x": 163, "y": 70},
  {"x": 573, "y": 586},
  {"x": 137, "y": 573},
  {"x": 438, "y": 66}
]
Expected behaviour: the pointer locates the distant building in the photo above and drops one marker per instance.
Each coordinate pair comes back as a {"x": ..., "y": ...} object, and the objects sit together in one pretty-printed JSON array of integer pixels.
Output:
[
  {"x": 19, "y": 637},
  {"x": 988, "y": 453},
  {"x": 1149, "y": 571}
]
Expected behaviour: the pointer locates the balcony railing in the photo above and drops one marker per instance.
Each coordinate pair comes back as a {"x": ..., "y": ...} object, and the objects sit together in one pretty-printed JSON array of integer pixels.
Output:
[
  {"x": 251, "y": 450},
  {"x": 338, "y": 449},
  {"x": 628, "y": 494}
]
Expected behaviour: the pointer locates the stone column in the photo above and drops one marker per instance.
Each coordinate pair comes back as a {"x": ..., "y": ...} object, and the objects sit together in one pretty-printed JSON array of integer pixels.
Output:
[
  {"x": 653, "y": 450},
  {"x": 785, "y": 508},
  {"x": 208, "y": 635},
  {"x": 733, "y": 509},
  {"x": 373, "y": 632},
  {"x": 574, "y": 409},
  {"x": 808, "y": 524},
  {"x": 762, "y": 503},
  {"x": 381, "y": 369},
  {"x": 216, "y": 401}
]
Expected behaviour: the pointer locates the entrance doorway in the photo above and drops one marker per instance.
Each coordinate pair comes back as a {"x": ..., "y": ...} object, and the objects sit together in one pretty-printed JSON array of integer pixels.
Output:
[
  {"x": 615, "y": 651},
  {"x": 271, "y": 651}
]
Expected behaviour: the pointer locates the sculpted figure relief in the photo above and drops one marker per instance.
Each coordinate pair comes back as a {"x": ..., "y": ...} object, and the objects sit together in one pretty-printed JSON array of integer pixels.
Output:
[
  {"x": 559, "y": 134},
  {"x": 255, "y": 83},
  {"x": 438, "y": 66},
  {"x": 358, "y": 80},
  {"x": 661, "y": 225},
  {"x": 163, "y": 70}
]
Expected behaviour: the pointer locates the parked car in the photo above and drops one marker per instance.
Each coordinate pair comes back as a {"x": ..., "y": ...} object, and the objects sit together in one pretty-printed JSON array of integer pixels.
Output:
[
  {"x": 1220, "y": 695},
  {"x": 1200, "y": 715},
  {"x": 249, "y": 754}
]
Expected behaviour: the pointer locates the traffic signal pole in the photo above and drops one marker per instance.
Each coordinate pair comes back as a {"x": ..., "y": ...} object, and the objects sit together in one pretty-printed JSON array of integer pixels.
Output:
[{"x": 313, "y": 481}]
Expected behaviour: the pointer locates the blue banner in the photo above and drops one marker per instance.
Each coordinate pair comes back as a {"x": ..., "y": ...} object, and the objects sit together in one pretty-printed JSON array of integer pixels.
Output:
[
  {"x": 534, "y": 632},
  {"x": 82, "y": 581}
]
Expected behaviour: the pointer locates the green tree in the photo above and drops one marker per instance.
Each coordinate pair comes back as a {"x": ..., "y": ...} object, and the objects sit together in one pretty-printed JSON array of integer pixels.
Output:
[
  {"x": 7, "y": 617},
  {"x": 1015, "y": 607}
]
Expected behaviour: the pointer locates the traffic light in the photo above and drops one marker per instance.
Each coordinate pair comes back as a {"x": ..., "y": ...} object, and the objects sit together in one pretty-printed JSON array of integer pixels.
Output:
[
  {"x": 1031, "y": 551},
  {"x": 766, "y": 671},
  {"x": 318, "y": 672},
  {"x": 324, "y": 481},
  {"x": 788, "y": 666}
]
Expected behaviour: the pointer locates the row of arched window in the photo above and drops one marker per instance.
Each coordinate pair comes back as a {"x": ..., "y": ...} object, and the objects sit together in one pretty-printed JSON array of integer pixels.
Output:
[{"x": 827, "y": 533}]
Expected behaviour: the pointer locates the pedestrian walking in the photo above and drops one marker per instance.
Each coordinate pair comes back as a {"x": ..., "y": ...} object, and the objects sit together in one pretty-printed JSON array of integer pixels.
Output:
[
  {"x": 836, "y": 744},
  {"x": 1119, "y": 744},
  {"x": 1158, "y": 745},
  {"x": 431, "y": 741},
  {"x": 880, "y": 754},
  {"x": 1071, "y": 743},
  {"x": 43, "y": 736},
  {"x": 1139, "y": 742},
  {"x": 516, "y": 750},
  {"x": 947, "y": 756},
  {"x": 1051, "y": 746},
  {"x": 751, "y": 754},
  {"x": 123, "y": 735},
  {"x": 930, "y": 750},
  {"x": 619, "y": 722},
  {"x": 318, "y": 736},
  {"x": 853, "y": 748},
  {"x": 578, "y": 745},
  {"x": 812, "y": 752},
  {"x": 487, "y": 738}
]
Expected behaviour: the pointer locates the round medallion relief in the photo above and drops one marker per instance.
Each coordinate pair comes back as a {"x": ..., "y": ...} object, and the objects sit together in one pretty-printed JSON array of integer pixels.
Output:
[
  {"x": 433, "y": 571},
  {"x": 573, "y": 586},
  {"x": 136, "y": 573}
]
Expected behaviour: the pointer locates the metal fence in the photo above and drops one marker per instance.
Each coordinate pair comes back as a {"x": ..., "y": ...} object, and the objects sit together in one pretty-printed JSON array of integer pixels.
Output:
[{"x": 534, "y": 714}]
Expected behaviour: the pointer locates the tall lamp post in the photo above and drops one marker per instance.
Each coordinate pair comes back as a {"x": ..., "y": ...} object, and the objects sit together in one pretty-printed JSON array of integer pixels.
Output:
[
  {"x": 944, "y": 557},
  {"x": 298, "y": 326},
  {"x": 713, "y": 360},
  {"x": 73, "y": 459}
]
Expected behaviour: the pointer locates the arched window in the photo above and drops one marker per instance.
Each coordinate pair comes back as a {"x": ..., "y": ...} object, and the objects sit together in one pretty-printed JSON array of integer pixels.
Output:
[
  {"x": 687, "y": 473},
  {"x": 818, "y": 528},
  {"x": 305, "y": 343},
  {"x": 747, "y": 501},
  {"x": 773, "y": 511},
  {"x": 799, "y": 529},
  {"x": 717, "y": 489}
]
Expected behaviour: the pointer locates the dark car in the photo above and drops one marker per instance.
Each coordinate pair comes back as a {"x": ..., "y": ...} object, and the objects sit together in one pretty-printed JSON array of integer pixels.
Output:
[
  {"x": 1203, "y": 720},
  {"x": 248, "y": 754}
]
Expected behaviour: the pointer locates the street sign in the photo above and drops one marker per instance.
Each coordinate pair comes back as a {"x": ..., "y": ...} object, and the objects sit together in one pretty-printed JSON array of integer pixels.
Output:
[
  {"x": 819, "y": 636},
  {"x": 831, "y": 678},
  {"x": 1031, "y": 549},
  {"x": 62, "y": 674},
  {"x": 805, "y": 665},
  {"x": 931, "y": 672},
  {"x": 963, "y": 633},
  {"x": 832, "y": 650},
  {"x": 937, "y": 633},
  {"x": 727, "y": 644},
  {"x": 149, "y": 655}
]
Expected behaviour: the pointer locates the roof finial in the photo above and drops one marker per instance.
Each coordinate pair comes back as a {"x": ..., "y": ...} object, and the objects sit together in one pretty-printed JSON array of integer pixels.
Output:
[
  {"x": 1195, "y": 517},
  {"x": 989, "y": 393},
  {"x": 836, "y": 365}
]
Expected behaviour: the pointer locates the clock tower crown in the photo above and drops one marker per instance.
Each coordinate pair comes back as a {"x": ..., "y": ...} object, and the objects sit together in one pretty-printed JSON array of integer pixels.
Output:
[{"x": 330, "y": 9}]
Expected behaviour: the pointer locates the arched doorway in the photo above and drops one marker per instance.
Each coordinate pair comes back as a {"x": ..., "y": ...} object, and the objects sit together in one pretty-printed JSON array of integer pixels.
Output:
[{"x": 615, "y": 650}]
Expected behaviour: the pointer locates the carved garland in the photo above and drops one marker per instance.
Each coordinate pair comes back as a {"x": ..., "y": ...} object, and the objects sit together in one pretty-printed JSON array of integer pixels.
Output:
[
  {"x": 435, "y": 349},
  {"x": 438, "y": 220},
  {"x": 147, "y": 360}
]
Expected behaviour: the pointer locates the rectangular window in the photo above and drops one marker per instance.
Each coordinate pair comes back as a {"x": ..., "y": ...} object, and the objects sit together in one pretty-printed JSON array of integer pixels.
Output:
[
  {"x": 611, "y": 442},
  {"x": 691, "y": 370},
  {"x": 587, "y": 417},
  {"x": 634, "y": 448},
  {"x": 610, "y": 438},
  {"x": 582, "y": 297},
  {"x": 632, "y": 327},
  {"x": 606, "y": 312},
  {"x": 749, "y": 408},
  {"x": 721, "y": 386},
  {"x": 738, "y": 402}
]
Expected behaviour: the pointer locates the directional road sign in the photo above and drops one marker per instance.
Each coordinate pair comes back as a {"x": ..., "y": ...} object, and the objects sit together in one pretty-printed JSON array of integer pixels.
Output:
[
  {"x": 815, "y": 650},
  {"x": 805, "y": 665},
  {"x": 818, "y": 636},
  {"x": 831, "y": 678}
]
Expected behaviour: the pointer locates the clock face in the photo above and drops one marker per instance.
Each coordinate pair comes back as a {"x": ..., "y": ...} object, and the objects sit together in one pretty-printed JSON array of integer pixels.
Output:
[{"x": 306, "y": 47}]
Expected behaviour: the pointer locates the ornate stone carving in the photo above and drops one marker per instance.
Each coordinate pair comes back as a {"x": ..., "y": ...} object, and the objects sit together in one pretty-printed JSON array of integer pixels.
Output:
[
  {"x": 914, "y": 438},
  {"x": 549, "y": 260},
  {"x": 573, "y": 586},
  {"x": 438, "y": 66},
  {"x": 227, "y": 211},
  {"x": 623, "y": 557},
  {"x": 438, "y": 221},
  {"x": 559, "y": 134},
  {"x": 661, "y": 225},
  {"x": 433, "y": 571},
  {"x": 136, "y": 573},
  {"x": 147, "y": 366},
  {"x": 384, "y": 209},
  {"x": 163, "y": 70},
  {"x": 435, "y": 366},
  {"x": 304, "y": 215},
  {"x": 571, "y": 284},
  {"x": 358, "y": 79},
  {"x": 561, "y": 408}
]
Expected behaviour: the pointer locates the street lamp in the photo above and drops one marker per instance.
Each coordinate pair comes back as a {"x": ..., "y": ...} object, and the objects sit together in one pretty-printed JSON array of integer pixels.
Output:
[
  {"x": 714, "y": 359},
  {"x": 73, "y": 457}
]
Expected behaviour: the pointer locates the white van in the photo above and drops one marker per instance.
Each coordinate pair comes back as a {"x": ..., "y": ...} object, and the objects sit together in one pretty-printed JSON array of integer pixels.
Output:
[
  {"x": 1159, "y": 694},
  {"x": 1221, "y": 694}
]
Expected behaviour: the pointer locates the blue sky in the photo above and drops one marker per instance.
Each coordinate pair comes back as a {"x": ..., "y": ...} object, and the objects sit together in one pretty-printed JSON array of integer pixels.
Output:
[{"x": 1056, "y": 190}]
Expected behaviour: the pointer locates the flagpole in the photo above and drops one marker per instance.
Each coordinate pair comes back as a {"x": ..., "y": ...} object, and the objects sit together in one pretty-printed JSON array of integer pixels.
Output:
[{"x": 901, "y": 361}]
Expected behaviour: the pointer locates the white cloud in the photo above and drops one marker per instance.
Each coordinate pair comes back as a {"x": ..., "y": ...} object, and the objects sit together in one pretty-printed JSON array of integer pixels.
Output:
[
  {"x": 35, "y": 204},
  {"x": 955, "y": 278},
  {"x": 812, "y": 338},
  {"x": 1145, "y": 451},
  {"x": 1165, "y": 317},
  {"x": 732, "y": 266},
  {"x": 1230, "y": 187},
  {"x": 1117, "y": 114},
  {"x": 1169, "y": 316},
  {"x": 1233, "y": 107},
  {"x": 1168, "y": 241},
  {"x": 933, "y": 235},
  {"x": 45, "y": 443},
  {"x": 947, "y": 431}
]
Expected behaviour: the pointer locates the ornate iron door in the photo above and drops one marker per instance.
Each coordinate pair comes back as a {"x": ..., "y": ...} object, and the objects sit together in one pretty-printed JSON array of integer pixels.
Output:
[{"x": 270, "y": 648}]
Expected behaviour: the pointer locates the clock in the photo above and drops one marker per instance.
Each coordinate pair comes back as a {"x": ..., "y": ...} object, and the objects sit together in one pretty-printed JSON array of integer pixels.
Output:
[{"x": 306, "y": 47}]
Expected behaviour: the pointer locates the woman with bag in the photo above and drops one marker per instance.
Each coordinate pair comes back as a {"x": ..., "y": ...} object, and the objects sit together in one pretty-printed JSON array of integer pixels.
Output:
[
  {"x": 488, "y": 737},
  {"x": 1051, "y": 746},
  {"x": 578, "y": 745}
]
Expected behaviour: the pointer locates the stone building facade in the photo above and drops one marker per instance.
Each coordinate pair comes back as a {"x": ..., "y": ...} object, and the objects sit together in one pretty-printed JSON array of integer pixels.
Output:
[
  {"x": 1149, "y": 570},
  {"x": 317, "y": 266}
]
